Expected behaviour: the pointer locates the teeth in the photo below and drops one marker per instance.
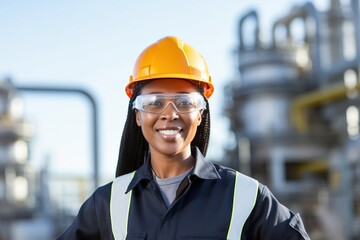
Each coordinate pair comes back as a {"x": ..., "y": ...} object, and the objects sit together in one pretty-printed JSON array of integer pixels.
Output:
[{"x": 169, "y": 132}]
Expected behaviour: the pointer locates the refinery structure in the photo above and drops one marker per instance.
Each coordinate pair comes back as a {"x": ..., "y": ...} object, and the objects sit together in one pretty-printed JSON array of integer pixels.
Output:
[{"x": 293, "y": 109}]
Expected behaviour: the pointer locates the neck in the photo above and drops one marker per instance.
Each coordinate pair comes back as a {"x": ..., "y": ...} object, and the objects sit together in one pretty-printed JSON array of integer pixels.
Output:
[{"x": 166, "y": 167}]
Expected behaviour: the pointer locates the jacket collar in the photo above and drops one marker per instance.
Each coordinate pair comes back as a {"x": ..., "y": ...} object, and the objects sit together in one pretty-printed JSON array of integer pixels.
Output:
[{"x": 203, "y": 169}]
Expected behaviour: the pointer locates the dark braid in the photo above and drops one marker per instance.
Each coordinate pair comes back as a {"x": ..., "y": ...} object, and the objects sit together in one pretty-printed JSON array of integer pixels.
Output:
[
  {"x": 133, "y": 146},
  {"x": 201, "y": 139}
]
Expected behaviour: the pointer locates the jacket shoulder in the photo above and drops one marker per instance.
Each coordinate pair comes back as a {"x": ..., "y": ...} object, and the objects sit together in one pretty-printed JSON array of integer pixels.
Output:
[{"x": 226, "y": 172}]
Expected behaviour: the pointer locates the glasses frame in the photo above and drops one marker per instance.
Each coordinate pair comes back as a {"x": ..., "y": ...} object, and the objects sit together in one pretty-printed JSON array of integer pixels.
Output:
[{"x": 199, "y": 99}]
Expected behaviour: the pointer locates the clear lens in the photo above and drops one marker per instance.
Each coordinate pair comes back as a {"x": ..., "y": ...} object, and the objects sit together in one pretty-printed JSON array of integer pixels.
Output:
[{"x": 156, "y": 103}]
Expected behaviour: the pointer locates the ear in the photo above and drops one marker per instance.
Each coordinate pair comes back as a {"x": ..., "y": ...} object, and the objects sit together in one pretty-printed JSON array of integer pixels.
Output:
[
  {"x": 138, "y": 117},
  {"x": 199, "y": 119}
]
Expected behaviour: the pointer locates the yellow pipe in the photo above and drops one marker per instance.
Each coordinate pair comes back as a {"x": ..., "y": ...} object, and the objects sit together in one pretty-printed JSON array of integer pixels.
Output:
[{"x": 303, "y": 102}]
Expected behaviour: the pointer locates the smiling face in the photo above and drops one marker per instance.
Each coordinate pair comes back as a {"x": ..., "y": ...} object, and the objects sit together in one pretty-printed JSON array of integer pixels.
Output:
[{"x": 169, "y": 133}]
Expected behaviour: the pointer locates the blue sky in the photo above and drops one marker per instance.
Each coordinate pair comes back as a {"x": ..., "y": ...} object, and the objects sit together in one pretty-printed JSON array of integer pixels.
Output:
[{"x": 93, "y": 45}]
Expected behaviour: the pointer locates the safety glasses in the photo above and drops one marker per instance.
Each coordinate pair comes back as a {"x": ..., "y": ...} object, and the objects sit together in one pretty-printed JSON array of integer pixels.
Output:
[{"x": 157, "y": 103}]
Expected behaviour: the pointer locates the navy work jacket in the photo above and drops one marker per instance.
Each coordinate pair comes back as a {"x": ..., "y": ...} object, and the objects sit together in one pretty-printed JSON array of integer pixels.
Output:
[{"x": 201, "y": 210}]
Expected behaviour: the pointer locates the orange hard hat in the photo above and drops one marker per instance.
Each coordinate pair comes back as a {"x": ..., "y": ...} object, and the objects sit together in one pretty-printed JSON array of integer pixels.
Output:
[{"x": 171, "y": 58}]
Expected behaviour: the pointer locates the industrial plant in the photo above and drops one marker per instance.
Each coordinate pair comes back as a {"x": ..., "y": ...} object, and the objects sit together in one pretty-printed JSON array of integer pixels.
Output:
[
  {"x": 293, "y": 108},
  {"x": 294, "y": 111}
]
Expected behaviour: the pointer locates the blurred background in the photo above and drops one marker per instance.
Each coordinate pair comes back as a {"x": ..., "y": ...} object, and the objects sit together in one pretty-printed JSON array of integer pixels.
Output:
[{"x": 285, "y": 108}]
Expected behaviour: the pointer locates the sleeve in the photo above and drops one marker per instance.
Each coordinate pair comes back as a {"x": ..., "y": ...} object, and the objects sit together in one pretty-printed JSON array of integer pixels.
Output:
[
  {"x": 93, "y": 219},
  {"x": 272, "y": 220}
]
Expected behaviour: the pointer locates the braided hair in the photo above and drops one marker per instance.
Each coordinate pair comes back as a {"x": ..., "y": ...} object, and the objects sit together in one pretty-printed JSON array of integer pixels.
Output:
[{"x": 134, "y": 147}]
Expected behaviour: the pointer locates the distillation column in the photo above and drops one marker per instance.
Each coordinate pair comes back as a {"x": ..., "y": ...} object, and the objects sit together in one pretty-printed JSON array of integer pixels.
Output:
[{"x": 18, "y": 199}]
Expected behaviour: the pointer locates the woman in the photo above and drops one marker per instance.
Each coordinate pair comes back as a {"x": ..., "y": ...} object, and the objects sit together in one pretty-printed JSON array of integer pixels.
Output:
[{"x": 165, "y": 189}]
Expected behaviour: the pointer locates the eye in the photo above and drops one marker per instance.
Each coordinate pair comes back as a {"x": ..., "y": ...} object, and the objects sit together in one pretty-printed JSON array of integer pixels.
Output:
[
  {"x": 184, "y": 102},
  {"x": 155, "y": 102}
]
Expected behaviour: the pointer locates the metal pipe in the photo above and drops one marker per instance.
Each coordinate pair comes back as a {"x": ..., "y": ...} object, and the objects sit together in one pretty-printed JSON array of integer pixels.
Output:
[
  {"x": 305, "y": 101},
  {"x": 302, "y": 103},
  {"x": 253, "y": 14},
  {"x": 307, "y": 10},
  {"x": 93, "y": 105},
  {"x": 356, "y": 12}
]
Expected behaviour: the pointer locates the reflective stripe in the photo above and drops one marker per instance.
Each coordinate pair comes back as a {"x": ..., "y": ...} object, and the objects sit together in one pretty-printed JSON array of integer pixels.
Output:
[
  {"x": 244, "y": 198},
  {"x": 120, "y": 205},
  {"x": 245, "y": 194}
]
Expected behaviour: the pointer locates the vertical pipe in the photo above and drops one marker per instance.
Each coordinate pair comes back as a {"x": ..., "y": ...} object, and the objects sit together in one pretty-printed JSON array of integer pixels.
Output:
[
  {"x": 356, "y": 12},
  {"x": 94, "y": 117},
  {"x": 254, "y": 15}
]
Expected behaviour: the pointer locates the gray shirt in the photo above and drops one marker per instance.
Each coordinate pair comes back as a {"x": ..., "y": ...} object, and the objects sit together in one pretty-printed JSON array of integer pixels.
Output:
[{"x": 168, "y": 186}]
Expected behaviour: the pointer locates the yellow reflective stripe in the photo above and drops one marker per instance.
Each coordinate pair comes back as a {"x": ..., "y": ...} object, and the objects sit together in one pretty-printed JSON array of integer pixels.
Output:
[
  {"x": 119, "y": 212},
  {"x": 128, "y": 211},
  {"x": 244, "y": 199}
]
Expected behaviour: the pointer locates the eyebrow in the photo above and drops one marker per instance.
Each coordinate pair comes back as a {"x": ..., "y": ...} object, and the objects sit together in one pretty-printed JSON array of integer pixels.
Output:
[{"x": 168, "y": 93}]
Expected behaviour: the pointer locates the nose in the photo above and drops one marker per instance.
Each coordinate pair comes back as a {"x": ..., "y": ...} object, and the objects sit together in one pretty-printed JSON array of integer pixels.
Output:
[{"x": 170, "y": 112}]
